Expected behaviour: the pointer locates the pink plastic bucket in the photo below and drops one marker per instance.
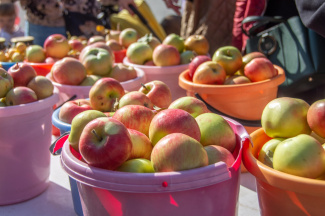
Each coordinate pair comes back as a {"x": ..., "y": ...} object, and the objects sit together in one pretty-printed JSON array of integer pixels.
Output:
[
  {"x": 67, "y": 91},
  {"x": 211, "y": 190},
  {"x": 25, "y": 138},
  {"x": 168, "y": 75}
]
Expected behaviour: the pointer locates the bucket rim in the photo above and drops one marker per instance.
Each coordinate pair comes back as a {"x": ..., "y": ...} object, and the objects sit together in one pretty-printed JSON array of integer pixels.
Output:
[{"x": 62, "y": 126}]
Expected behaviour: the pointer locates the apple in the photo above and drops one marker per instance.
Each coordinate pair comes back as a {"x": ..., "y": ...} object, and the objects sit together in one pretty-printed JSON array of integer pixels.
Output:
[
  {"x": 177, "y": 152},
  {"x": 22, "y": 73},
  {"x": 68, "y": 71},
  {"x": 137, "y": 165},
  {"x": 301, "y": 155},
  {"x": 114, "y": 45},
  {"x": 187, "y": 56},
  {"x": 215, "y": 130},
  {"x": 113, "y": 34},
  {"x": 149, "y": 63},
  {"x": 316, "y": 117},
  {"x": 50, "y": 60},
  {"x": 158, "y": 92},
  {"x": 248, "y": 57},
  {"x": 173, "y": 121},
  {"x": 259, "y": 69},
  {"x": 198, "y": 44},
  {"x": 76, "y": 45},
  {"x": 229, "y": 57},
  {"x": 219, "y": 153},
  {"x": 152, "y": 41},
  {"x": 78, "y": 123},
  {"x": 209, "y": 72},
  {"x": 176, "y": 41},
  {"x": 135, "y": 117},
  {"x": 236, "y": 79},
  {"x": 96, "y": 38},
  {"x": 166, "y": 55},
  {"x": 285, "y": 117},
  {"x": 56, "y": 46},
  {"x": 128, "y": 36},
  {"x": 99, "y": 44},
  {"x": 195, "y": 64},
  {"x": 35, "y": 53},
  {"x": 104, "y": 94},
  {"x": 267, "y": 151},
  {"x": 139, "y": 53},
  {"x": 97, "y": 61},
  {"x": 135, "y": 98},
  {"x": 42, "y": 87},
  {"x": 90, "y": 80},
  {"x": 192, "y": 105},
  {"x": 21, "y": 47},
  {"x": 122, "y": 72},
  {"x": 105, "y": 143},
  {"x": 6, "y": 82},
  {"x": 20, "y": 95},
  {"x": 72, "y": 108},
  {"x": 141, "y": 145},
  {"x": 17, "y": 57}
]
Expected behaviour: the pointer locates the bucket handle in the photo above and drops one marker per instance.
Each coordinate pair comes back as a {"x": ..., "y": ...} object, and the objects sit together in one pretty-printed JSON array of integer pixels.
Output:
[{"x": 56, "y": 146}]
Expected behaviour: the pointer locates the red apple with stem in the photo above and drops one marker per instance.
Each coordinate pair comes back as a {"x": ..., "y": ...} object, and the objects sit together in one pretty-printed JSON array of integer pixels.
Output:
[
  {"x": 22, "y": 73},
  {"x": 210, "y": 72},
  {"x": 105, "y": 143},
  {"x": 56, "y": 46},
  {"x": 72, "y": 108},
  {"x": 158, "y": 92}
]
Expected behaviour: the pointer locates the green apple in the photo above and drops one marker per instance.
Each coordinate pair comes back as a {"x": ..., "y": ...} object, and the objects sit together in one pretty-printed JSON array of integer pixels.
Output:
[
  {"x": 78, "y": 123},
  {"x": 267, "y": 151},
  {"x": 6, "y": 82},
  {"x": 192, "y": 105},
  {"x": 139, "y": 53},
  {"x": 176, "y": 41},
  {"x": 215, "y": 130},
  {"x": 128, "y": 36},
  {"x": 187, "y": 56},
  {"x": 35, "y": 53},
  {"x": 90, "y": 80},
  {"x": 42, "y": 86},
  {"x": 137, "y": 165},
  {"x": 229, "y": 57},
  {"x": 152, "y": 41},
  {"x": 285, "y": 117},
  {"x": 301, "y": 155}
]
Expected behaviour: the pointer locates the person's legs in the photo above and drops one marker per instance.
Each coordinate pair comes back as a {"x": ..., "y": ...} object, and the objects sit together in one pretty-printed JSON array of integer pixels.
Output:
[{"x": 40, "y": 33}]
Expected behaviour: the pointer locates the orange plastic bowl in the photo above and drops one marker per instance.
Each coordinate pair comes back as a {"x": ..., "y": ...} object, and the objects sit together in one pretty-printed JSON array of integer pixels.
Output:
[
  {"x": 119, "y": 55},
  {"x": 42, "y": 69},
  {"x": 243, "y": 101},
  {"x": 280, "y": 193}
]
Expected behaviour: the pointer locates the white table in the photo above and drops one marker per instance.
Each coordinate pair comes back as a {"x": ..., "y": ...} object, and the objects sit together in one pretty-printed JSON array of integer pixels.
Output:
[{"x": 57, "y": 199}]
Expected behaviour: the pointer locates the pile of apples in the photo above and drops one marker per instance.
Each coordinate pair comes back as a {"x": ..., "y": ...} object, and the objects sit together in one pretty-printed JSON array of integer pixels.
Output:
[
  {"x": 14, "y": 54},
  {"x": 173, "y": 50},
  {"x": 21, "y": 85},
  {"x": 229, "y": 67},
  {"x": 144, "y": 131},
  {"x": 297, "y": 132}
]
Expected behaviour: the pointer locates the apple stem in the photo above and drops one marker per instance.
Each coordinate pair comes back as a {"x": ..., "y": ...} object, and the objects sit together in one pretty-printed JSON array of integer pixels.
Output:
[
  {"x": 96, "y": 135},
  {"x": 145, "y": 87}
]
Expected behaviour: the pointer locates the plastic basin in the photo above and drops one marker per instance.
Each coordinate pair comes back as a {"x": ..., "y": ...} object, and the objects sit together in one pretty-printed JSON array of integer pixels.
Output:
[
  {"x": 243, "y": 101},
  {"x": 42, "y": 69},
  {"x": 119, "y": 55},
  {"x": 25, "y": 138},
  {"x": 279, "y": 193},
  {"x": 7, "y": 65},
  {"x": 169, "y": 75},
  {"x": 203, "y": 191}
]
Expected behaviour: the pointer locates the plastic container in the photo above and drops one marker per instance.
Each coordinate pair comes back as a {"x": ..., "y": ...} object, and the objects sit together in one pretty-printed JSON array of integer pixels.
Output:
[
  {"x": 119, "y": 55},
  {"x": 67, "y": 91},
  {"x": 168, "y": 75},
  {"x": 243, "y": 101},
  {"x": 25, "y": 138},
  {"x": 7, "y": 65},
  {"x": 279, "y": 193},
  {"x": 42, "y": 69},
  {"x": 203, "y": 191}
]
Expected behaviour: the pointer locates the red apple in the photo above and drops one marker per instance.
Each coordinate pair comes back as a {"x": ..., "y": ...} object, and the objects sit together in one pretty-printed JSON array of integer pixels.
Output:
[
  {"x": 105, "y": 93},
  {"x": 219, "y": 153},
  {"x": 259, "y": 69},
  {"x": 229, "y": 57},
  {"x": 141, "y": 145},
  {"x": 6, "y": 82},
  {"x": 192, "y": 105},
  {"x": 22, "y": 73},
  {"x": 50, "y": 60},
  {"x": 42, "y": 87},
  {"x": 114, "y": 45},
  {"x": 249, "y": 57},
  {"x": 72, "y": 108},
  {"x": 135, "y": 117},
  {"x": 56, "y": 46},
  {"x": 166, "y": 55},
  {"x": 173, "y": 121},
  {"x": 236, "y": 79},
  {"x": 20, "y": 95},
  {"x": 105, "y": 143},
  {"x": 316, "y": 117},
  {"x": 195, "y": 64},
  {"x": 158, "y": 92},
  {"x": 198, "y": 44},
  {"x": 96, "y": 38},
  {"x": 68, "y": 71},
  {"x": 122, "y": 72},
  {"x": 76, "y": 44},
  {"x": 177, "y": 152},
  {"x": 210, "y": 72},
  {"x": 135, "y": 98},
  {"x": 128, "y": 36}
]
